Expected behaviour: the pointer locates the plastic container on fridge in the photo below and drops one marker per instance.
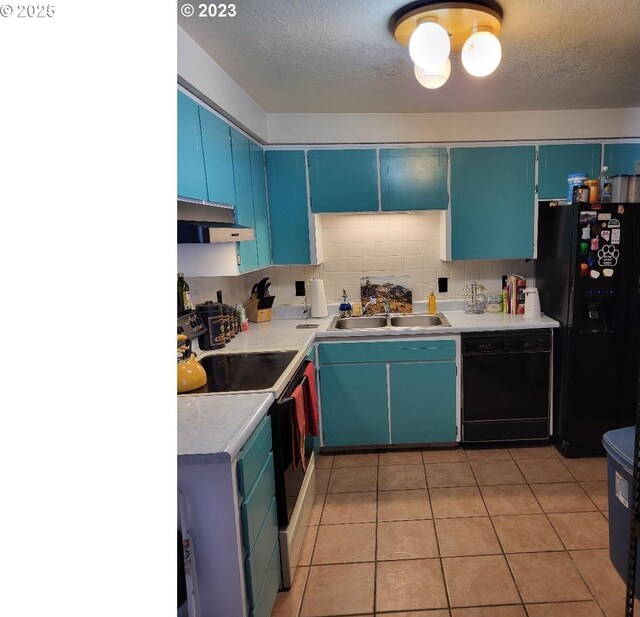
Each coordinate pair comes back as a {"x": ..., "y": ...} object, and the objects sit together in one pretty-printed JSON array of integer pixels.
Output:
[
  {"x": 633, "y": 189},
  {"x": 619, "y": 187}
]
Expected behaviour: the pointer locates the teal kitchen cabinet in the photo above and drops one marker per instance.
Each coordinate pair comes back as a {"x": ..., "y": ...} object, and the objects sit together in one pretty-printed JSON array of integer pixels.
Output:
[
  {"x": 343, "y": 180},
  {"x": 492, "y": 202},
  {"x": 218, "y": 162},
  {"x": 244, "y": 214},
  {"x": 557, "y": 161},
  {"x": 413, "y": 179},
  {"x": 423, "y": 402},
  {"x": 260, "y": 212},
  {"x": 191, "y": 176},
  {"x": 288, "y": 211},
  {"x": 354, "y": 404},
  {"x": 621, "y": 158}
]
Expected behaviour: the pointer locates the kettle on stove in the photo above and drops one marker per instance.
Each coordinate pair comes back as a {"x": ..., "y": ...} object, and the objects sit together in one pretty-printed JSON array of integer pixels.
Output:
[
  {"x": 531, "y": 303},
  {"x": 191, "y": 375}
]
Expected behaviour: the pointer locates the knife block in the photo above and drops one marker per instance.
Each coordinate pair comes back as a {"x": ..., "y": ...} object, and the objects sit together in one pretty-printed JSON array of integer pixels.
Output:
[{"x": 259, "y": 310}]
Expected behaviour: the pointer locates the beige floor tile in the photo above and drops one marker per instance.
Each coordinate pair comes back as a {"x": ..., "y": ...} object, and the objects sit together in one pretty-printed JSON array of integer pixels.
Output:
[
  {"x": 479, "y": 581},
  {"x": 352, "y": 479},
  {"x": 355, "y": 460},
  {"x": 406, "y": 540},
  {"x": 322, "y": 480},
  {"x": 563, "y": 497},
  {"x": 565, "y": 609},
  {"x": 547, "y": 577},
  {"x": 324, "y": 461},
  {"x": 307, "y": 546},
  {"x": 404, "y": 505},
  {"x": 534, "y": 452},
  {"x": 516, "y": 610},
  {"x": 316, "y": 510},
  {"x": 339, "y": 590},
  {"x": 345, "y": 543},
  {"x": 407, "y": 585},
  {"x": 490, "y": 473},
  {"x": 460, "y": 537},
  {"x": 288, "y": 603},
  {"x": 489, "y": 454},
  {"x": 526, "y": 533},
  {"x": 544, "y": 470},
  {"x": 450, "y": 455},
  {"x": 457, "y": 501},
  {"x": 598, "y": 492},
  {"x": 435, "y": 613},
  {"x": 581, "y": 529},
  {"x": 587, "y": 469},
  {"x": 449, "y": 474},
  {"x": 401, "y": 457},
  {"x": 349, "y": 508},
  {"x": 510, "y": 499},
  {"x": 614, "y": 607},
  {"x": 397, "y": 477},
  {"x": 599, "y": 573}
]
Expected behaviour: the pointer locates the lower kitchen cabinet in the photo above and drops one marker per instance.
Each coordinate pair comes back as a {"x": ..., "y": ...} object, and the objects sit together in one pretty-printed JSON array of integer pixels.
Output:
[{"x": 379, "y": 393}]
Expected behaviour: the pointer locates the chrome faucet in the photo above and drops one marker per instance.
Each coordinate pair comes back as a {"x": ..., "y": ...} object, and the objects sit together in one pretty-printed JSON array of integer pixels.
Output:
[{"x": 373, "y": 300}]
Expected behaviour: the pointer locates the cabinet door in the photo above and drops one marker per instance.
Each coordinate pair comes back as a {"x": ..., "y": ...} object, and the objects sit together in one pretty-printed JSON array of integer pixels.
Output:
[
  {"x": 343, "y": 180},
  {"x": 423, "y": 402},
  {"x": 413, "y": 179},
  {"x": 244, "y": 198},
  {"x": 622, "y": 158},
  {"x": 218, "y": 163},
  {"x": 557, "y": 161},
  {"x": 191, "y": 178},
  {"x": 354, "y": 404},
  {"x": 288, "y": 212},
  {"x": 260, "y": 206},
  {"x": 492, "y": 202}
]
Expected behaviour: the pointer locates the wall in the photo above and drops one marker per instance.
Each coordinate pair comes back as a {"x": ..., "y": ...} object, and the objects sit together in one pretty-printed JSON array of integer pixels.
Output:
[{"x": 357, "y": 245}]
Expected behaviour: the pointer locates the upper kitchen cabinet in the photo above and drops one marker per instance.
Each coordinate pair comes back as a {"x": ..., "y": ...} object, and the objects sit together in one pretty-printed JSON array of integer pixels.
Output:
[
  {"x": 413, "y": 179},
  {"x": 343, "y": 180},
  {"x": 557, "y": 161},
  {"x": 191, "y": 176},
  {"x": 260, "y": 213},
  {"x": 247, "y": 251},
  {"x": 218, "y": 164},
  {"x": 492, "y": 202},
  {"x": 288, "y": 210},
  {"x": 622, "y": 158}
]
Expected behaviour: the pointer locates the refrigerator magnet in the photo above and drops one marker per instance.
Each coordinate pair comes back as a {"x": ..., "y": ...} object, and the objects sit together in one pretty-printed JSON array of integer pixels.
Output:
[
  {"x": 595, "y": 274},
  {"x": 588, "y": 217},
  {"x": 584, "y": 269},
  {"x": 606, "y": 234},
  {"x": 604, "y": 216},
  {"x": 586, "y": 232},
  {"x": 620, "y": 209},
  {"x": 595, "y": 244},
  {"x": 614, "y": 223},
  {"x": 615, "y": 236},
  {"x": 608, "y": 272},
  {"x": 584, "y": 248}
]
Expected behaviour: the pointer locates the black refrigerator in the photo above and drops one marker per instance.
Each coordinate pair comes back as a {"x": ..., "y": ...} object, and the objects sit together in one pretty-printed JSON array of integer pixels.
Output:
[{"x": 588, "y": 277}]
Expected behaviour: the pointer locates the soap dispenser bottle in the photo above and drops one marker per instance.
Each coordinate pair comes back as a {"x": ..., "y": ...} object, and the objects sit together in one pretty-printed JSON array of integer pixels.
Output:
[
  {"x": 432, "y": 303},
  {"x": 345, "y": 307}
]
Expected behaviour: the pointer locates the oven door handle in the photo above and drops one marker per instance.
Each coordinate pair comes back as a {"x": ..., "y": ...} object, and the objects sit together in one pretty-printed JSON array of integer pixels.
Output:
[{"x": 289, "y": 399}]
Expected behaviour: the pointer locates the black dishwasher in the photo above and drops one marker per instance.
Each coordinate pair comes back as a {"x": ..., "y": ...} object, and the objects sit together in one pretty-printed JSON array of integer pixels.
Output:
[{"x": 505, "y": 386}]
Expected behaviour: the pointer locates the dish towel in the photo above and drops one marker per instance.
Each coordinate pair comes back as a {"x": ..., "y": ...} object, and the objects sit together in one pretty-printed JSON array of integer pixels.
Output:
[
  {"x": 311, "y": 394},
  {"x": 298, "y": 421}
]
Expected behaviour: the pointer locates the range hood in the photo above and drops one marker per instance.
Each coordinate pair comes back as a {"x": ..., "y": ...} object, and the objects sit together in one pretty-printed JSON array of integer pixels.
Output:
[{"x": 200, "y": 222}]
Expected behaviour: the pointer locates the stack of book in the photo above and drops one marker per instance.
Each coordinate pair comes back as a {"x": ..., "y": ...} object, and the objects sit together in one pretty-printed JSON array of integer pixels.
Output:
[{"x": 514, "y": 291}]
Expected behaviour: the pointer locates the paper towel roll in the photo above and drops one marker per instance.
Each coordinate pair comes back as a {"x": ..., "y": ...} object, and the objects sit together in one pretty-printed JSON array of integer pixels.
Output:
[{"x": 318, "y": 299}]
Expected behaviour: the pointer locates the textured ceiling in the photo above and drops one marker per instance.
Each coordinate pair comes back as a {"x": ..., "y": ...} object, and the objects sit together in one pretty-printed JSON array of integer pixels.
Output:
[{"x": 326, "y": 56}]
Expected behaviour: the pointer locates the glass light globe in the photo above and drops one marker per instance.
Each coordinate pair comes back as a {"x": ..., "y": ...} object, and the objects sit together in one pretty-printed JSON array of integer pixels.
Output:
[
  {"x": 433, "y": 79},
  {"x": 481, "y": 54},
  {"x": 429, "y": 46}
]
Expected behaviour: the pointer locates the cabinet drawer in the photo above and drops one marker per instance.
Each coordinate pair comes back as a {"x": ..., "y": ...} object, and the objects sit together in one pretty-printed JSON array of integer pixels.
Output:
[
  {"x": 253, "y": 455},
  {"x": 392, "y": 351},
  {"x": 256, "y": 565},
  {"x": 254, "y": 508},
  {"x": 267, "y": 597}
]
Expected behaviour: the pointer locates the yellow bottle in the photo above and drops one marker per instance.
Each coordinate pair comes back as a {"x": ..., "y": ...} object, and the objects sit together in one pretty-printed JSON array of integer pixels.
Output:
[{"x": 432, "y": 303}]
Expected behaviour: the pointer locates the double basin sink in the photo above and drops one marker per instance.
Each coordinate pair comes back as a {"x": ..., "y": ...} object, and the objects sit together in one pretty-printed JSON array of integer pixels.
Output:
[{"x": 395, "y": 321}]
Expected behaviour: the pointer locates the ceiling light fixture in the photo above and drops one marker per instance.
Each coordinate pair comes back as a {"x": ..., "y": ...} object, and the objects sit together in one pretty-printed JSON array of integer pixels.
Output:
[{"x": 433, "y": 29}]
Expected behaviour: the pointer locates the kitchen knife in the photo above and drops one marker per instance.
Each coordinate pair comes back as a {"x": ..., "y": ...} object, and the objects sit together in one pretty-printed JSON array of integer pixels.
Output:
[
  {"x": 261, "y": 287},
  {"x": 266, "y": 290}
]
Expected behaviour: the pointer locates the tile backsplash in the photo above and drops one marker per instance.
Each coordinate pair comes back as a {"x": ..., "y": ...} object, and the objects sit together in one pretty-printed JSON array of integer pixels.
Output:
[{"x": 357, "y": 245}]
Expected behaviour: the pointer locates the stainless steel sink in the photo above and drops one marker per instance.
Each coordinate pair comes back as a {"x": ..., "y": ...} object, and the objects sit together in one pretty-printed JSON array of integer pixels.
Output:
[
  {"x": 357, "y": 323},
  {"x": 422, "y": 321}
]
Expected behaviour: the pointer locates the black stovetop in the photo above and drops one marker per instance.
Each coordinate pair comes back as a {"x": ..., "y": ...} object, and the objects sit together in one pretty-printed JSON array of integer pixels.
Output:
[{"x": 238, "y": 372}]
